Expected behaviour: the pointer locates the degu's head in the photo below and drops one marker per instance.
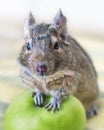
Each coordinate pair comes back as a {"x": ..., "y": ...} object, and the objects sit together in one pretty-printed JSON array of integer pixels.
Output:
[{"x": 44, "y": 50}]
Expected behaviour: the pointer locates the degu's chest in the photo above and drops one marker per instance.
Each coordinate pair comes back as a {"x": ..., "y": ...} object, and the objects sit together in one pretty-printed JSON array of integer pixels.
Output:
[
  {"x": 47, "y": 84},
  {"x": 57, "y": 81}
]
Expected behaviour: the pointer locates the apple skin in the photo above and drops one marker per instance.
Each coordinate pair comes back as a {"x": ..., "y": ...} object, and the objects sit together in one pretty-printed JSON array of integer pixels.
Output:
[{"x": 22, "y": 114}]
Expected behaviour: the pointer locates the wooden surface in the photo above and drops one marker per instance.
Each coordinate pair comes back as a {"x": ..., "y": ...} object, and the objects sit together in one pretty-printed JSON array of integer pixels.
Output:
[{"x": 11, "y": 85}]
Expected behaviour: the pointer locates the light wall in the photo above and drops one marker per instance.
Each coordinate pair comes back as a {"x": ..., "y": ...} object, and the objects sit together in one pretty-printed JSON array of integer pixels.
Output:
[{"x": 82, "y": 14}]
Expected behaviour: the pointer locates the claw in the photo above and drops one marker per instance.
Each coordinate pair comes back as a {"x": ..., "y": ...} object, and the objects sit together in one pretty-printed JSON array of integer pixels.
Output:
[
  {"x": 35, "y": 100},
  {"x": 58, "y": 106},
  {"x": 47, "y": 106},
  {"x": 38, "y": 99},
  {"x": 52, "y": 105},
  {"x": 53, "y": 108}
]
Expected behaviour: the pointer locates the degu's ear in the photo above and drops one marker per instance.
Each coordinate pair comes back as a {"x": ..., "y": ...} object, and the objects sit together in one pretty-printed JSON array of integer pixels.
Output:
[
  {"x": 29, "y": 23},
  {"x": 61, "y": 21}
]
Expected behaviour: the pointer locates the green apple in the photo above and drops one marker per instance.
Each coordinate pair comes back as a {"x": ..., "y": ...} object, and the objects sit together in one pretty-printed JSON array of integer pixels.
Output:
[{"x": 22, "y": 114}]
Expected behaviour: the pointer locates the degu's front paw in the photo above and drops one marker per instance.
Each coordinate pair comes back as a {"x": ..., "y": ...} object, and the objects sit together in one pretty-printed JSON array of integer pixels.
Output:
[
  {"x": 38, "y": 98},
  {"x": 53, "y": 105}
]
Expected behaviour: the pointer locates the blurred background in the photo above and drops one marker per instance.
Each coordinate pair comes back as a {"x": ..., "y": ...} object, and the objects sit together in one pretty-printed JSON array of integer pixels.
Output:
[{"x": 85, "y": 23}]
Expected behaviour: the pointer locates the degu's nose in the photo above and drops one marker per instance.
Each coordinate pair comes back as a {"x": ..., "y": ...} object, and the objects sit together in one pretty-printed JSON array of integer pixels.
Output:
[{"x": 42, "y": 68}]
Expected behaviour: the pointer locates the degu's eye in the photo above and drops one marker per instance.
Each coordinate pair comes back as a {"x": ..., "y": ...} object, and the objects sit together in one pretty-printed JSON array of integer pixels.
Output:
[
  {"x": 28, "y": 46},
  {"x": 56, "y": 46}
]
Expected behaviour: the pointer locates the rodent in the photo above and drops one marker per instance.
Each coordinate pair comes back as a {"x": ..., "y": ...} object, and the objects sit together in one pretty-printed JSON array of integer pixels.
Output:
[{"x": 53, "y": 63}]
